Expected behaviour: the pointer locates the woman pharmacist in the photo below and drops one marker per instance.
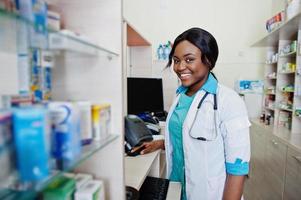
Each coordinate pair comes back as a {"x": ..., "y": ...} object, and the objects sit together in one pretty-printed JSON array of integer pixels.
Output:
[{"x": 207, "y": 134}]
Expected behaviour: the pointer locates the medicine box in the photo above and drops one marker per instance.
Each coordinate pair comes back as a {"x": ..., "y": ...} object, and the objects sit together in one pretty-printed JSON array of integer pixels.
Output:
[
  {"x": 66, "y": 144},
  {"x": 82, "y": 179},
  {"x": 30, "y": 133},
  {"x": 62, "y": 188},
  {"x": 85, "y": 119},
  {"x": 101, "y": 117},
  {"x": 54, "y": 20},
  {"x": 92, "y": 190}
]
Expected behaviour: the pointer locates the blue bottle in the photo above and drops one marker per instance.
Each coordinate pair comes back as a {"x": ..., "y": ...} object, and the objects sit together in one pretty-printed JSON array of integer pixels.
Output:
[
  {"x": 164, "y": 55},
  {"x": 160, "y": 52},
  {"x": 167, "y": 50}
]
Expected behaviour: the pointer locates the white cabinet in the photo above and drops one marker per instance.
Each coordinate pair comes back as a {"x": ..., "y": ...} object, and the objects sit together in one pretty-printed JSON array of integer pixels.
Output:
[
  {"x": 293, "y": 176},
  {"x": 267, "y": 166},
  {"x": 275, "y": 158},
  {"x": 254, "y": 186}
]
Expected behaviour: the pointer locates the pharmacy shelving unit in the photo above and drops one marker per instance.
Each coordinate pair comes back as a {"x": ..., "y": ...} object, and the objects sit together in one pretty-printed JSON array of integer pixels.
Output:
[
  {"x": 285, "y": 100},
  {"x": 83, "y": 70}
]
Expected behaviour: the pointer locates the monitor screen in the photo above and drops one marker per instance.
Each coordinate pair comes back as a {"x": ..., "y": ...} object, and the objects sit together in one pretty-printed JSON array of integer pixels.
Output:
[{"x": 144, "y": 95}]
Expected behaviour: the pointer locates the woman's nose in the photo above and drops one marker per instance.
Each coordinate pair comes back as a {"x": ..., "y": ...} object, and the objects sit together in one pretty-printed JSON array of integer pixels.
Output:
[{"x": 181, "y": 65}]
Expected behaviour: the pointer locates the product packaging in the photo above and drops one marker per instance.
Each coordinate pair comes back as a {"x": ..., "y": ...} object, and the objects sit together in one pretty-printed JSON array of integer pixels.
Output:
[
  {"x": 66, "y": 144},
  {"x": 30, "y": 133},
  {"x": 47, "y": 65},
  {"x": 62, "y": 188},
  {"x": 85, "y": 109},
  {"x": 6, "y": 150},
  {"x": 54, "y": 20},
  {"x": 92, "y": 190},
  {"x": 5, "y": 128},
  {"x": 101, "y": 117},
  {"x": 82, "y": 179}
]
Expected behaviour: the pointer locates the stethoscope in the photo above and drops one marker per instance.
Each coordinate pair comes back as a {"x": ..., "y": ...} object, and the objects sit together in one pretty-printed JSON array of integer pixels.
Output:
[{"x": 214, "y": 135}]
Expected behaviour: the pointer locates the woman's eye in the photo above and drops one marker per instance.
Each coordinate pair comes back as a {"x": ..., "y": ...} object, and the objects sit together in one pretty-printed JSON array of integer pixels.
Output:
[
  {"x": 189, "y": 60},
  {"x": 176, "y": 61}
]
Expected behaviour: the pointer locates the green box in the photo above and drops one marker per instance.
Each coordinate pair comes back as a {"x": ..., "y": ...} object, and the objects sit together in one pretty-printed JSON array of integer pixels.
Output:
[{"x": 61, "y": 188}]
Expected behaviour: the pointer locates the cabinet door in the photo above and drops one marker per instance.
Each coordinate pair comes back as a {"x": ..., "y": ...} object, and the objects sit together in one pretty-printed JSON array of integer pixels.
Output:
[
  {"x": 292, "y": 186},
  {"x": 275, "y": 159},
  {"x": 254, "y": 186}
]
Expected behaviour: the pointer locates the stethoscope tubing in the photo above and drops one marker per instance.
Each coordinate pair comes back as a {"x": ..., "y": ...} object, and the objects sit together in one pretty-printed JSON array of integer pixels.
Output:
[{"x": 215, "y": 110}]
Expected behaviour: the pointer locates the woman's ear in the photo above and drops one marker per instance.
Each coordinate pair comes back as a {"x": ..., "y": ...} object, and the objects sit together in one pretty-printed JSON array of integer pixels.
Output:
[{"x": 208, "y": 63}]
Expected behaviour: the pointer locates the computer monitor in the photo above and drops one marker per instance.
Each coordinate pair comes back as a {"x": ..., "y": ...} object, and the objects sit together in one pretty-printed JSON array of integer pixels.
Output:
[{"x": 144, "y": 95}]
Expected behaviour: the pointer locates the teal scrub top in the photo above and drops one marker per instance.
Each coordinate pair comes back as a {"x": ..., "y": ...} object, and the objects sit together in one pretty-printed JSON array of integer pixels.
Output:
[{"x": 175, "y": 129}]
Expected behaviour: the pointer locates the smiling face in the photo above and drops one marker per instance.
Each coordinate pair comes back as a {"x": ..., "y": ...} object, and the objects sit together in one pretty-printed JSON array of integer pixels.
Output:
[{"x": 189, "y": 67}]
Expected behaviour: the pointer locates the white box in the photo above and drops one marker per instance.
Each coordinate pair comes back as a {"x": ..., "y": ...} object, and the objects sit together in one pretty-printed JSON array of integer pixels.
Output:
[
  {"x": 54, "y": 20},
  {"x": 85, "y": 119},
  {"x": 82, "y": 179},
  {"x": 92, "y": 190}
]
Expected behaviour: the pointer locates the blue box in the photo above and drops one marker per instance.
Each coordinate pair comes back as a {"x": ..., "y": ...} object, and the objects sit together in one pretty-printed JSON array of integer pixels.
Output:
[{"x": 30, "y": 131}]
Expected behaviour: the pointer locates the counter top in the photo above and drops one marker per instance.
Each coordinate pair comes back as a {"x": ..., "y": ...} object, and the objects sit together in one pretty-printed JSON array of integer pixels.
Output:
[
  {"x": 138, "y": 167},
  {"x": 292, "y": 140}
]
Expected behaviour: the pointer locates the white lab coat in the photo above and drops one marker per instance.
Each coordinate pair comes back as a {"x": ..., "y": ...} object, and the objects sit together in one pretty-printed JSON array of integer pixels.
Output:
[{"x": 205, "y": 170}]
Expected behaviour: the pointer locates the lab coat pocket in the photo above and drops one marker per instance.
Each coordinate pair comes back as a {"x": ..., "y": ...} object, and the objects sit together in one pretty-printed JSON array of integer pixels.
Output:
[{"x": 204, "y": 123}]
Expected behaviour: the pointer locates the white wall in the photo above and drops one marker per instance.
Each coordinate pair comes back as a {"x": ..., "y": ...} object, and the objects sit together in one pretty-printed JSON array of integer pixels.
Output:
[
  {"x": 277, "y": 6},
  {"x": 236, "y": 25},
  {"x": 140, "y": 61}
]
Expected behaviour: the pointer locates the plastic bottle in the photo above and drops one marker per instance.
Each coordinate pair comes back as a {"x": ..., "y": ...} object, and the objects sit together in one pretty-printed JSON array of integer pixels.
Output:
[
  {"x": 160, "y": 52},
  {"x": 164, "y": 52},
  {"x": 167, "y": 51}
]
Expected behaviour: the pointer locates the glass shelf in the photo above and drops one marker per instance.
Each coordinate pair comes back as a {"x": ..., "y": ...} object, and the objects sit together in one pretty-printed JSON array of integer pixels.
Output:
[
  {"x": 291, "y": 54},
  {"x": 32, "y": 193},
  {"x": 286, "y": 109},
  {"x": 271, "y": 78},
  {"x": 270, "y": 63},
  {"x": 286, "y": 72},
  {"x": 270, "y": 93},
  {"x": 14, "y": 34},
  {"x": 286, "y": 91},
  {"x": 268, "y": 108}
]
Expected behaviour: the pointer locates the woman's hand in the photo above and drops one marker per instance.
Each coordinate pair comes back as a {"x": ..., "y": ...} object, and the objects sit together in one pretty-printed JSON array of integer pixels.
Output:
[{"x": 149, "y": 147}]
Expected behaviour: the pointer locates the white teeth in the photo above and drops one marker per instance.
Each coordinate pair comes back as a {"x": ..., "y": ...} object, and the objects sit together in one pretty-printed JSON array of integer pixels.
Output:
[{"x": 185, "y": 75}]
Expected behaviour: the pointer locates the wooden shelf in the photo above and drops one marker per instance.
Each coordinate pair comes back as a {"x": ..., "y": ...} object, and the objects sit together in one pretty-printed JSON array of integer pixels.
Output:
[{"x": 134, "y": 38}]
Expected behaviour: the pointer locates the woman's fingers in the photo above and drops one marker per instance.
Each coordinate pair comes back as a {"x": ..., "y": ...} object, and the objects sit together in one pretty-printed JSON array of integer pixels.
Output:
[
  {"x": 149, "y": 147},
  {"x": 137, "y": 148}
]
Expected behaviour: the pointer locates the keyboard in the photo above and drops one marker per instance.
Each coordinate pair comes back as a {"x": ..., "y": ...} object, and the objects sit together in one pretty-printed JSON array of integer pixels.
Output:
[{"x": 154, "y": 189}]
